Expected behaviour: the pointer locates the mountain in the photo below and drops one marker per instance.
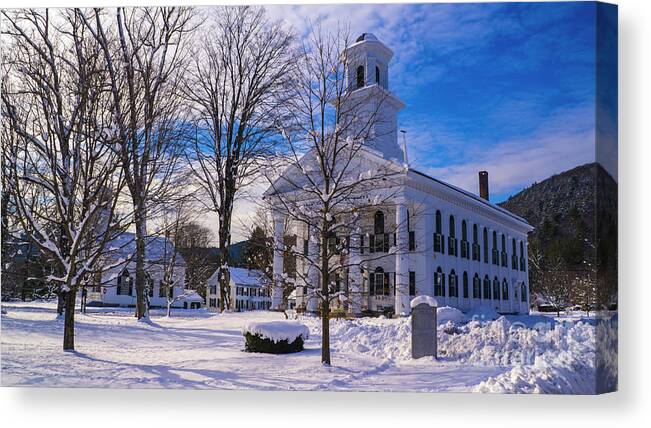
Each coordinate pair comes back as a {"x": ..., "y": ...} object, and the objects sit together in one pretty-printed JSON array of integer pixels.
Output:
[
  {"x": 572, "y": 212},
  {"x": 235, "y": 254}
]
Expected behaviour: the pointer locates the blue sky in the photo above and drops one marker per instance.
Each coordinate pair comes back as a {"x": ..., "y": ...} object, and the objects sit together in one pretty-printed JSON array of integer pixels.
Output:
[{"x": 506, "y": 87}]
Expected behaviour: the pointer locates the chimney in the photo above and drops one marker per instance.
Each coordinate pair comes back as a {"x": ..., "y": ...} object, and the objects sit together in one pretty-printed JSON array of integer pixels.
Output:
[{"x": 483, "y": 184}]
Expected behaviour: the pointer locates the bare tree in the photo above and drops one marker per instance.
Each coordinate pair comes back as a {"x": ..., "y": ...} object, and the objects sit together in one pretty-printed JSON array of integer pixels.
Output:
[
  {"x": 145, "y": 50},
  {"x": 194, "y": 242},
  {"x": 237, "y": 75},
  {"x": 64, "y": 164},
  {"x": 324, "y": 184},
  {"x": 550, "y": 279}
]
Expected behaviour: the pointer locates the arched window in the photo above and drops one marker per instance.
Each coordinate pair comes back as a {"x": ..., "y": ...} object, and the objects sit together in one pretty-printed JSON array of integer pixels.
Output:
[
  {"x": 465, "y": 285},
  {"x": 475, "y": 234},
  {"x": 523, "y": 292},
  {"x": 464, "y": 231},
  {"x": 124, "y": 283},
  {"x": 452, "y": 241},
  {"x": 485, "y": 245},
  {"x": 379, "y": 283},
  {"x": 513, "y": 247},
  {"x": 503, "y": 243},
  {"x": 505, "y": 290},
  {"x": 496, "y": 289},
  {"x": 377, "y": 74},
  {"x": 496, "y": 260},
  {"x": 360, "y": 76},
  {"x": 378, "y": 222},
  {"x": 439, "y": 246},
  {"x": 453, "y": 288},
  {"x": 487, "y": 287},
  {"x": 439, "y": 282},
  {"x": 476, "y": 287}
]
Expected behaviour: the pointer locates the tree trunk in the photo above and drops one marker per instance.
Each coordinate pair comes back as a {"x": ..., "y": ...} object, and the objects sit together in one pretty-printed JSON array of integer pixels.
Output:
[
  {"x": 224, "y": 274},
  {"x": 60, "y": 302},
  {"x": 69, "y": 324},
  {"x": 141, "y": 234},
  {"x": 325, "y": 302}
]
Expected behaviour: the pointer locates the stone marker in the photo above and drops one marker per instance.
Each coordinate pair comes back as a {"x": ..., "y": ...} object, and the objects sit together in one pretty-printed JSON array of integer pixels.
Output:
[{"x": 423, "y": 328}]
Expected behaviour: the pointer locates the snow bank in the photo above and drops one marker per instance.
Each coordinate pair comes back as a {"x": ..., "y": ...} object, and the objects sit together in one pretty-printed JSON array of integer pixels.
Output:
[
  {"x": 483, "y": 313},
  {"x": 278, "y": 330},
  {"x": 429, "y": 300},
  {"x": 448, "y": 313},
  {"x": 556, "y": 359}
]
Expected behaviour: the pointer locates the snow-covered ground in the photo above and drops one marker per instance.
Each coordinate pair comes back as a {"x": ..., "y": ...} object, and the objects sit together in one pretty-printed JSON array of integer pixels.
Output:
[{"x": 198, "y": 349}]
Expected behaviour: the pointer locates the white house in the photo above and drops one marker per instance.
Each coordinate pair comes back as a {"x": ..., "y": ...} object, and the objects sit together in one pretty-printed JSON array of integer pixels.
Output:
[
  {"x": 459, "y": 247},
  {"x": 116, "y": 287},
  {"x": 249, "y": 290}
]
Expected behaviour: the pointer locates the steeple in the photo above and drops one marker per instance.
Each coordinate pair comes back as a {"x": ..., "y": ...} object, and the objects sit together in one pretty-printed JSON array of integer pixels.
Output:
[{"x": 367, "y": 79}]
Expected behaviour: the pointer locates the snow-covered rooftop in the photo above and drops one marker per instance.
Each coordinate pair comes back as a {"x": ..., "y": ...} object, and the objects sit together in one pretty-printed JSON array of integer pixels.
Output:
[
  {"x": 249, "y": 277},
  {"x": 158, "y": 249}
]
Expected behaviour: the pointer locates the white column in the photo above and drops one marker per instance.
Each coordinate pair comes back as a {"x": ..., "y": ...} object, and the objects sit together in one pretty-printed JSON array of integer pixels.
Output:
[
  {"x": 277, "y": 291},
  {"x": 402, "y": 262},
  {"x": 355, "y": 276}
]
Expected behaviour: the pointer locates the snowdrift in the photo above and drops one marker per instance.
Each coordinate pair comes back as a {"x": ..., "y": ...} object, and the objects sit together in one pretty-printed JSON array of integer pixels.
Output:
[{"x": 557, "y": 359}]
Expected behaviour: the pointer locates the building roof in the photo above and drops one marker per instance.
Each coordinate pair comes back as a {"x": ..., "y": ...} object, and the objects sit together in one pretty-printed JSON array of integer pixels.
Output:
[
  {"x": 366, "y": 36},
  {"x": 249, "y": 277},
  {"x": 476, "y": 198},
  {"x": 158, "y": 249}
]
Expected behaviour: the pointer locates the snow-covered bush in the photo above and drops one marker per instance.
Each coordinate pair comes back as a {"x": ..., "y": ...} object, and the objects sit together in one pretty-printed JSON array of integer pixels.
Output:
[{"x": 275, "y": 337}]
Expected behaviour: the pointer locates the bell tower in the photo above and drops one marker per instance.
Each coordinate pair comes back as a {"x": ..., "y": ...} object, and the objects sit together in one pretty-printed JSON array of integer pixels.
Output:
[{"x": 368, "y": 97}]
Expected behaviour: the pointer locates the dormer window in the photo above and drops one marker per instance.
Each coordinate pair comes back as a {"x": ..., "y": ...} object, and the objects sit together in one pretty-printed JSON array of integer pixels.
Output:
[{"x": 360, "y": 76}]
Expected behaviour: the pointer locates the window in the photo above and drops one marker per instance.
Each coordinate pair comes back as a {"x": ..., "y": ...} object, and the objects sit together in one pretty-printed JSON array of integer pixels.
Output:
[
  {"x": 412, "y": 240},
  {"x": 412, "y": 283},
  {"x": 212, "y": 303},
  {"x": 487, "y": 287},
  {"x": 452, "y": 241},
  {"x": 439, "y": 283},
  {"x": 162, "y": 289},
  {"x": 476, "y": 287},
  {"x": 504, "y": 258},
  {"x": 377, "y": 74},
  {"x": 523, "y": 292},
  {"x": 465, "y": 247},
  {"x": 124, "y": 283},
  {"x": 505, "y": 290},
  {"x": 496, "y": 289},
  {"x": 453, "y": 290},
  {"x": 379, "y": 283},
  {"x": 360, "y": 76},
  {"x": 378, "y": 223},
  {"x": 306, "y": 246},
  {"x": 475, "y": 242},
  {"x": 495, "y": 252},
  {"x": 465, "y": 285},
  {"x": 522, "y": 258},
  {"x": 438, "y": 237},
  {"x": 485, "y": 245}
]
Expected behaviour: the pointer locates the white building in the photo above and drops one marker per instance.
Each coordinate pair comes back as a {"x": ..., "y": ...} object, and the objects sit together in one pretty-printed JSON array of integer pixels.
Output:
[
  {"x": 460, "y": 248},
  {"x": 249, "y": 290},
  {"x": 116, "y": 287}
]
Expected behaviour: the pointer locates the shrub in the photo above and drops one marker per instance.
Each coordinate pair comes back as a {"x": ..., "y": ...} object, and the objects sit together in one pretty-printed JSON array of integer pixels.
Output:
[{"x": 257, "y": 343}]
